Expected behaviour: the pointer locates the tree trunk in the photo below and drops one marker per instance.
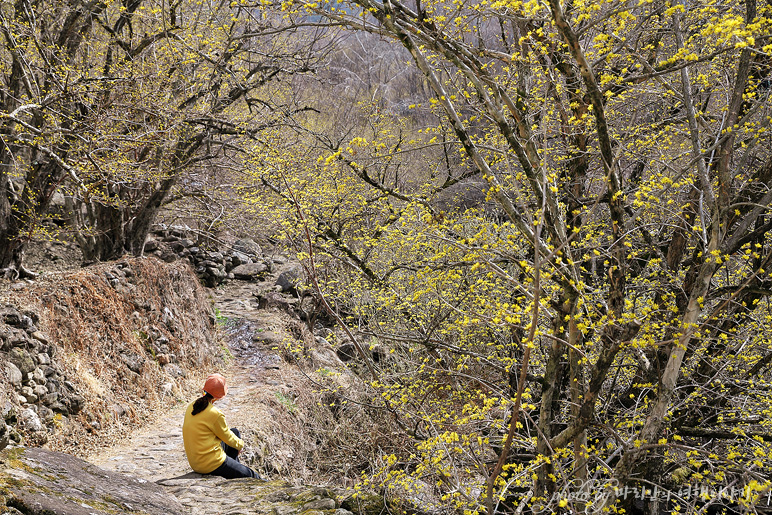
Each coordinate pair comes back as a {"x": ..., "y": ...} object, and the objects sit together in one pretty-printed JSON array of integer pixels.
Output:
[{"x": 23, "y": 215}]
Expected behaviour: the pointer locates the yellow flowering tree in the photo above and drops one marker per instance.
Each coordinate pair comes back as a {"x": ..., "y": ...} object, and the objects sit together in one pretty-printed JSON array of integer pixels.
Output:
[{"x": 599, "y": 315}]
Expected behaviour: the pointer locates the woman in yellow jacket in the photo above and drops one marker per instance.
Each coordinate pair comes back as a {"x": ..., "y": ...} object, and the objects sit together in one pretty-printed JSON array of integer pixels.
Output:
[{"x": 211, "y": 447}]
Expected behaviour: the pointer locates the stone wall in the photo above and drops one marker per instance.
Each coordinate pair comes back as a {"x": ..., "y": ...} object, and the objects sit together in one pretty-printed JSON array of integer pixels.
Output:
[
  {"x": 213, "y": 263},
  {"x": 39, "y": 389}
]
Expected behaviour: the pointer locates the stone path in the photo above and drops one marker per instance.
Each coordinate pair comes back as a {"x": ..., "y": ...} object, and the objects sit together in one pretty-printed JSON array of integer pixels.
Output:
[{"x": 155, "y": 452}]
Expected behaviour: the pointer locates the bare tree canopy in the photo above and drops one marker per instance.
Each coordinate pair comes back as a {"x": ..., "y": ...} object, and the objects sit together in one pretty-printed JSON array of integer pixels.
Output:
[{"x": 115, "y": 101}]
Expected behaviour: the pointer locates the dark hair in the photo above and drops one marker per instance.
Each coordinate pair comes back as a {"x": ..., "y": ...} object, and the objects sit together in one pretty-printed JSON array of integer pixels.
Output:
[{"x": 201, "y": 403}]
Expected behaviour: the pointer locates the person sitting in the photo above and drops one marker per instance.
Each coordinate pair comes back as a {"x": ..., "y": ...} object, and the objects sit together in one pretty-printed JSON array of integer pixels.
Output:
[{"x": 211, "y": 447}]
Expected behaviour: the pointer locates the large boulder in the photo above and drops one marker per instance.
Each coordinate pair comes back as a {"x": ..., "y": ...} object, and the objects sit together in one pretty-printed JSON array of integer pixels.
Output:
[
  {"x": 289, "y": 279},
  {"x": 247, "y": 246},
  {"x": 250, "y": 272}
]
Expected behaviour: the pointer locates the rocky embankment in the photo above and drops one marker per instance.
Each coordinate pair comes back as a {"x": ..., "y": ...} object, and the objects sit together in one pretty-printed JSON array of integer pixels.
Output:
[
  {"x": 118, "y": 349},
  {"x": 86, "y": 354},
  {"x": 39, "y": 389},
  {"x": 214, "y": 264}
]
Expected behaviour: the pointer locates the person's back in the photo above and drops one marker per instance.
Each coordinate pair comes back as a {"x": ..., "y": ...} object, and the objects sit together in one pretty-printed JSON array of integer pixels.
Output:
[
  {"x": 210, "y": 446},
  {"x": 202, "y": 434}
]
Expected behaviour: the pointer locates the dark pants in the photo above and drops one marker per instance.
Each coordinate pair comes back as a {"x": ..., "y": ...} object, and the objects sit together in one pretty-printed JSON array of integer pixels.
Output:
[{"x": 231, "y": 468}]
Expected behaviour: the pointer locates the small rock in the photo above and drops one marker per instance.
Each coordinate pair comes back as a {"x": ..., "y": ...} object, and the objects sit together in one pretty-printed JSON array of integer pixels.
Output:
[
  {"x": 217, "y": 273},
  {"x": 29, "y": 394},
  {"x": 58, "y": 407},
  {"x": 38, "y": 335},
  {"x": 133, "y": 361},
  {"x": 74, "y": 403},
  {"x": 44, "y": 359},
  {"x": 12, "y": 317},
  {"x": 13, "y": 374},
  {"x": 240, "y": 259},
  {"x": 39, "y": 376},
  {"x": 22, "y": 359},
  {"x": 16, "y": 338},
  {"x": 151, "y": 245},
  {"x": 40, "y": 391},
  {"x": 8, "y": 413},
  {"x": 30, "y": 420},
  {"x": 168, "y": 256},
  {"x": 247, "y": 246},
  {"x": 45, "y": 413}
]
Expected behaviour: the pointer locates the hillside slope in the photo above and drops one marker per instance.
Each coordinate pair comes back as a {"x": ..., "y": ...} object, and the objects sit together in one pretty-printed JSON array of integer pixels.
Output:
[{"x": 87, "y": 355}]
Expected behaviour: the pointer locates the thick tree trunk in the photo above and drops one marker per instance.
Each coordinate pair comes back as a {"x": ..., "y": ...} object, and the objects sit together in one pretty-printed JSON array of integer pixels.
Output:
[
  {"x": 555, "y": 381},
  {"x": 6, "y": 239},
  {"x": 122, "y": 229}
]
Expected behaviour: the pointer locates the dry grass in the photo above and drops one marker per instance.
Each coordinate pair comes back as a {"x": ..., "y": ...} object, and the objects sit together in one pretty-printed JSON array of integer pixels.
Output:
[
  {"x": 95, "y": 327},
  {"x": 310, "y": 421}
]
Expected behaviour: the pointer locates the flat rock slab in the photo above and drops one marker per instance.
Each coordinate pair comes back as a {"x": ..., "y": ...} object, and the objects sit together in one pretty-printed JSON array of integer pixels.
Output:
[
  {"x": 35, "y": 481},
  {"x": 39, "y": 481}
]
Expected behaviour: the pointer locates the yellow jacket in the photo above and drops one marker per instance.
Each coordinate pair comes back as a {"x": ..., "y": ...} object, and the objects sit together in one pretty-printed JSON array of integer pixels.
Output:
[{"x": 202, "y": 435}]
